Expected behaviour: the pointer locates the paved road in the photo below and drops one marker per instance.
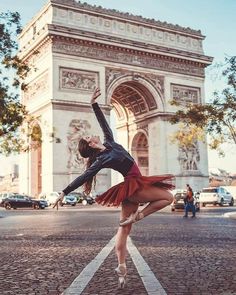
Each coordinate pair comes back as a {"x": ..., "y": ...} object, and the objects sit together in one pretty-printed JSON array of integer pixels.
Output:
[{"x": 42, "y": 252}]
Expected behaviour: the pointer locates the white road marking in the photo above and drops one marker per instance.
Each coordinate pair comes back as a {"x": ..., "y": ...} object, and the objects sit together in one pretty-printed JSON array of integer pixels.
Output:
[
  {"x": 151, "y": 283},
  {"x": 80, "y": 283}
]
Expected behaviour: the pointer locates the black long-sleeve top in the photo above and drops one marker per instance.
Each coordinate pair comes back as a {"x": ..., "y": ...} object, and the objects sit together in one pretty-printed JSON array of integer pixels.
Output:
[{"x": 114, "y": 156}]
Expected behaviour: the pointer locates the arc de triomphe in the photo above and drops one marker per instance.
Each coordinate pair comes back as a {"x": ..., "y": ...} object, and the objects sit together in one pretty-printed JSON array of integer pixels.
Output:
[{"x": 139, "y": 64}]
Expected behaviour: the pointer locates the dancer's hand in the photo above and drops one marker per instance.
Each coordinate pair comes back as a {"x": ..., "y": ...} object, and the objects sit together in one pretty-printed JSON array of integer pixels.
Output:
[
  {"x": 59, "y": 199},
  {"x": 96, "y": 94}
]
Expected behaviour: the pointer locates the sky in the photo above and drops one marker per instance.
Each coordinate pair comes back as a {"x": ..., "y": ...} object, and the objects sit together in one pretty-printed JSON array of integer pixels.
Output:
[{"x": 215, "y": 18}]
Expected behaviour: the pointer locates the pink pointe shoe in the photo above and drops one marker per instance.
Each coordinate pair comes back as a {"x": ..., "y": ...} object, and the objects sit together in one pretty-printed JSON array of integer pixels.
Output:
[
  {"x": 121, "y": 272},
  {"x": 131, "y": 219}
]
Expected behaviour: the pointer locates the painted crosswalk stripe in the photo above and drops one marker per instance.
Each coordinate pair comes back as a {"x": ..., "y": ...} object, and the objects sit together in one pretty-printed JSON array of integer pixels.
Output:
[
  {"x": 151, "y": 283},
  {"x": 80, "y": 282}
]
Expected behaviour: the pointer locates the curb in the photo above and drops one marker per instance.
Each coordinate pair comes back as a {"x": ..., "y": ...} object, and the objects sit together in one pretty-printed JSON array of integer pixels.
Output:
[{"x": 231, "y": 215}]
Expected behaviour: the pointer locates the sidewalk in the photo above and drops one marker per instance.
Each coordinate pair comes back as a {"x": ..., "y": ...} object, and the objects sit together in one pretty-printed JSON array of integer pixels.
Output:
[{"x": 230, "y": 215}]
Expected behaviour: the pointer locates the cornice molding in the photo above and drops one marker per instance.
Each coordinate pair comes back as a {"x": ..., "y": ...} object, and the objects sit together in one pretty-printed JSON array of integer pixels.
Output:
[
  {"x": 95, "y": 36},
  {"x": 106, "y": 52}
]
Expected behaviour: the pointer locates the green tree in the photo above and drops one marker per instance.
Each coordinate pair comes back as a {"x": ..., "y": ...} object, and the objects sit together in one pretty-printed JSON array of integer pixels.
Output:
[
  {"x": 12, "y": 74},
  {"x": 217, "y": 118}
]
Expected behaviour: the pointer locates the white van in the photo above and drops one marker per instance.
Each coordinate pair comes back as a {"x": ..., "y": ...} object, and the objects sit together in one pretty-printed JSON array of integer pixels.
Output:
[{"x": 215, "y": 196}]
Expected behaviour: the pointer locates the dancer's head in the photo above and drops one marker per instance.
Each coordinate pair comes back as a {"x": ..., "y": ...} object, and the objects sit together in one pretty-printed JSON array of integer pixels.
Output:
[{"x": 88, "y": 145}]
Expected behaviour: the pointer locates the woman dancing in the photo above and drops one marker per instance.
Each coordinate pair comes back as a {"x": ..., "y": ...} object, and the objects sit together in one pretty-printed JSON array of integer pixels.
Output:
[{"x": 133, "y": 190}]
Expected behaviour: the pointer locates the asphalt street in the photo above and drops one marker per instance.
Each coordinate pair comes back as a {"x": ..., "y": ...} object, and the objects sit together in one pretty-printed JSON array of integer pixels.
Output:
[{"x": 44, "y": 251}]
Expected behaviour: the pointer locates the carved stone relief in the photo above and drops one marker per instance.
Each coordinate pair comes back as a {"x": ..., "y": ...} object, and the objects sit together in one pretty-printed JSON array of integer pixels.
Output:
[
  {"x": 77, "y": 129},
  {"x": 127, "y": 57},
  {"x": 185, "y": 94},
  {"x": 78, "y": 79},
  {"x": 156, "y": 80},
  {"x": 142, "y": 127},
  {"x": 189, "y": 157},
  {"x": 37, "y": 87}
]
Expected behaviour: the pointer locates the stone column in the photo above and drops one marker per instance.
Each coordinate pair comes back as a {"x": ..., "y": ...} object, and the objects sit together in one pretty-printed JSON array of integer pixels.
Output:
[{"x": 157, "y": 148}]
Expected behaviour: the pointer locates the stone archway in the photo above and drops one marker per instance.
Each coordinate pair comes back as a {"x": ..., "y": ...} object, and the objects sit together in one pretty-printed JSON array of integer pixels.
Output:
[
  {"x": 134, "y": 99},
  {"x": 36, "y": 161}
]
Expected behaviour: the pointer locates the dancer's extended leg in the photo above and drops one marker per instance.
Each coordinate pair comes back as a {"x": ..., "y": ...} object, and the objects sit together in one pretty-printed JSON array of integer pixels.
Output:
[{"x": 156, "y": 197}]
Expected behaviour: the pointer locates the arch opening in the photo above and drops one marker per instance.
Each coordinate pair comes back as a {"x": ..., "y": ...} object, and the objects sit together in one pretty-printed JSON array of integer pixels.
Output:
[{"x": 132, "y": 99}]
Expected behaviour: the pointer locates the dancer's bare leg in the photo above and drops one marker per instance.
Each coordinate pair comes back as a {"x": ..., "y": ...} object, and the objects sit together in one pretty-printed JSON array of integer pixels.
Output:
[
  {"x": 123, "y": 231},
  {"x": 156, "y": 197}
]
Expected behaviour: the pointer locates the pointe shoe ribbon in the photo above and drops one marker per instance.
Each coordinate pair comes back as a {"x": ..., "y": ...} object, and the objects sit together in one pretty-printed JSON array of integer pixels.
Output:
[
  {"x": 121, "y": 271},
  {"x": 131, "y": 219}
]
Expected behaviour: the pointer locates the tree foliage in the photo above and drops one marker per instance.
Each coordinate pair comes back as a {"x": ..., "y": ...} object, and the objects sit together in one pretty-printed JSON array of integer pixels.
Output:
[
  {"x": 12, "y": 74},
  {"x": 217, "y": 118}
]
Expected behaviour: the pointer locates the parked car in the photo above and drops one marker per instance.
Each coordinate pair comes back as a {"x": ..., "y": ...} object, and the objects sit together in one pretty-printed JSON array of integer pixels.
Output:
[
  {"x": 50, "y": 197},
  {"x": 215, "y": 196},
  {"x": 4, "y": 196},
  {"x": 22, "y": 201},
  {"x": 232, "y": 190},
  {"x": 77, "y": 195},
  {"x": 179, "y": 200},
  {"x": 69, "y": 199},
  {"x": 88, "y": 200},
  {"x": 82, "y": 198}
]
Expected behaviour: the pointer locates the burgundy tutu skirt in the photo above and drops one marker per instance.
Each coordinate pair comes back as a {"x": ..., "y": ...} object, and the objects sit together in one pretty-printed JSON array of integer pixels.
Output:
[{"x": 133, "y": 182}]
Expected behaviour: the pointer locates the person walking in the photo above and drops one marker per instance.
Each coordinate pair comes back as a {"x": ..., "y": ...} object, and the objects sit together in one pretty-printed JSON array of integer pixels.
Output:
[
  {"x": 135, "y": 189},
  {"x": 189, "y": 202}
]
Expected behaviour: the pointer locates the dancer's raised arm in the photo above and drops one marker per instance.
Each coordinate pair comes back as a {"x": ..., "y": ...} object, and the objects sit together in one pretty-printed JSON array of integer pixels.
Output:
[{"x": 108, "y": 135}]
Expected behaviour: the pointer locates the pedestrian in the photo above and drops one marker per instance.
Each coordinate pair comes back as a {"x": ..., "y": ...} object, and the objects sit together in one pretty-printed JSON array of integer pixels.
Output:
[
  {"x": 189, "y": 202},
  {"x": 133, "y": 190}
]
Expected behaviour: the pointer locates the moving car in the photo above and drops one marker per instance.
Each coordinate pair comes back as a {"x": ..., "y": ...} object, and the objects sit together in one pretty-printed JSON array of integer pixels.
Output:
[
  {"x": 215, "y": 196},
  {"x": 179, "y": 200},
  {"x": 22, "y": 201}
]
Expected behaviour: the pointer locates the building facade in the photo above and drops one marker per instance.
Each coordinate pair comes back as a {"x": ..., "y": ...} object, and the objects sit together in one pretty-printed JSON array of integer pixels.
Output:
[{"x": 140, "y": 66}]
